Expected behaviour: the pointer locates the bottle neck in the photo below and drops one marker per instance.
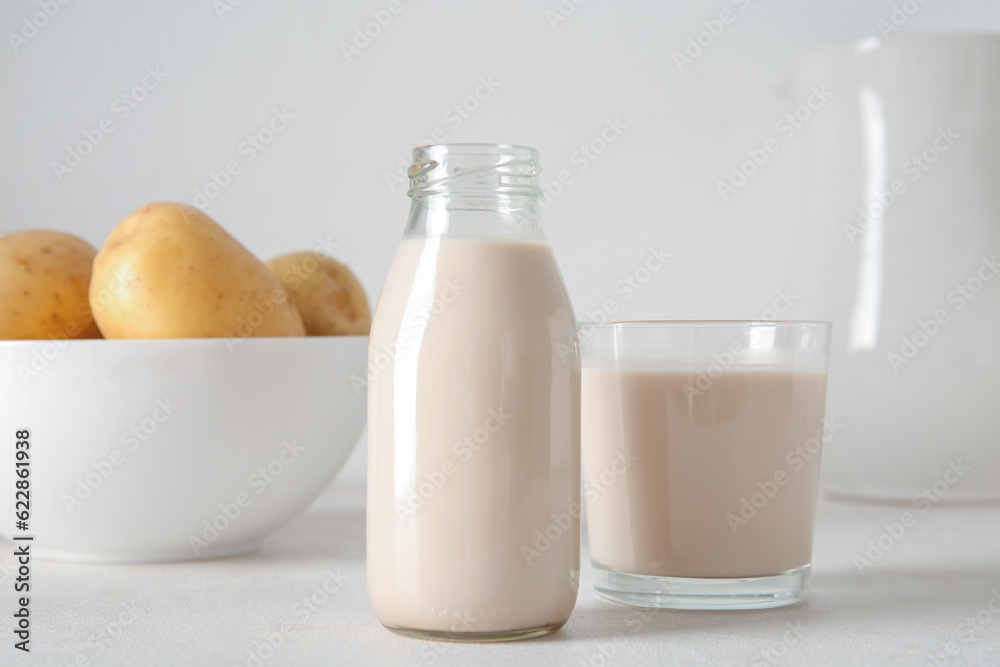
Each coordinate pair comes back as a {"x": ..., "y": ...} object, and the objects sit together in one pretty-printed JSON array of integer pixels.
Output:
[
  {"x": 475, "y": 191},
  {"x": 475, "y": 216}
]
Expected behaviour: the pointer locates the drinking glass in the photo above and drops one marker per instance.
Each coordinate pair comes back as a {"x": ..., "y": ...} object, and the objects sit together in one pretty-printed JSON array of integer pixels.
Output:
[{"x": 701, "y": 456}]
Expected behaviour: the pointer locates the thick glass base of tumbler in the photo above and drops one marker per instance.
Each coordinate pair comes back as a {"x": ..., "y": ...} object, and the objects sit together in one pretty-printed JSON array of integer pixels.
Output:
[
  {"x": 639, "y": 590},
  {"x": 475, "y": 637}
]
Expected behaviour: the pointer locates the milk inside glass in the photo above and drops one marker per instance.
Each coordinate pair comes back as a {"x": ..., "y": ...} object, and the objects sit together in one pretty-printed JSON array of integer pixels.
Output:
[
  {"x": 473, "y": 425},
  {"x": 720, "y": 482}
]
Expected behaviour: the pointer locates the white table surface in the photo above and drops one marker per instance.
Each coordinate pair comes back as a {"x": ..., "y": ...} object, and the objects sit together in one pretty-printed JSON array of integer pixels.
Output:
[{"x": 912, "y": 603}]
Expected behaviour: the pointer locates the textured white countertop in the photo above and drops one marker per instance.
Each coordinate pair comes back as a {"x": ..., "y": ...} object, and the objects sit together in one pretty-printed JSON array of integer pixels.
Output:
[{"x": 920, "y": 600}]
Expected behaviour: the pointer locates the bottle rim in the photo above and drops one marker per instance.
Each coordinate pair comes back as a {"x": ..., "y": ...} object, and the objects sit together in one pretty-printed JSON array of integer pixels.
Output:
[
  {"x": 477, "y": 169},
  {"x": 478, "y": 148}
]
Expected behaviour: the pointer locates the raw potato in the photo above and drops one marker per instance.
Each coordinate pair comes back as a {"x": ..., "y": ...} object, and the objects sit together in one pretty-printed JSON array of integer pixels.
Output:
[
  {"x": 169, "y": 271},
  {"x": 43, "y": 286},
  {"x": 326, "y": 293}
]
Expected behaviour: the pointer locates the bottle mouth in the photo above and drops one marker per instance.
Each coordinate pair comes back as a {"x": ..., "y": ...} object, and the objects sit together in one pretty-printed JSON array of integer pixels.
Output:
[{"x": 475, "y": 169}]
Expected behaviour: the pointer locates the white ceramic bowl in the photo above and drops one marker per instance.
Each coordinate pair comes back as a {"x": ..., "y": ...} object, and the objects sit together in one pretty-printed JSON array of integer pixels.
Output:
[{"x": 147, "y": 450}]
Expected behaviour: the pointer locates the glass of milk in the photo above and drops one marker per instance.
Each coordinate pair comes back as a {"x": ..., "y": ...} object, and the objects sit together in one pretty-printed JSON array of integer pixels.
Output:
[{"x": 701, "y": 451}]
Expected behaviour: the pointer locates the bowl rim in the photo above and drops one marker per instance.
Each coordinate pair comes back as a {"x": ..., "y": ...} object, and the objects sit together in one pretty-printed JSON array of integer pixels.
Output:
[{"x": 83, "y": 342}]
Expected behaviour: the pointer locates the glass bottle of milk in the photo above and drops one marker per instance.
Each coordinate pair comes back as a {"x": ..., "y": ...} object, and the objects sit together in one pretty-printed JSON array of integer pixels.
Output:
[{"x": 473, "y": 409}]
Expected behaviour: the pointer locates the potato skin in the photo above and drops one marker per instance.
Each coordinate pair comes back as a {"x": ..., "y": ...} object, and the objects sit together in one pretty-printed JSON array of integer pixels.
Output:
[
  {"x": 326, "y": 293},
  {"x": 169, "y": 271},
  {"x": 44, "y": 277}
]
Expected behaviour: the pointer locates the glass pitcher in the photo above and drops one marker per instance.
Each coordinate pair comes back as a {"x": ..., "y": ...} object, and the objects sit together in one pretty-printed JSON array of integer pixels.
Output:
[{"x": 899, "y": 236}]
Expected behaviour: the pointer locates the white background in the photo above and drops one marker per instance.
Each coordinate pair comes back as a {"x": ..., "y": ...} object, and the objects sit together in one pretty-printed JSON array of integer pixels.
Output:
[{"x": 324, "y": 177}]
